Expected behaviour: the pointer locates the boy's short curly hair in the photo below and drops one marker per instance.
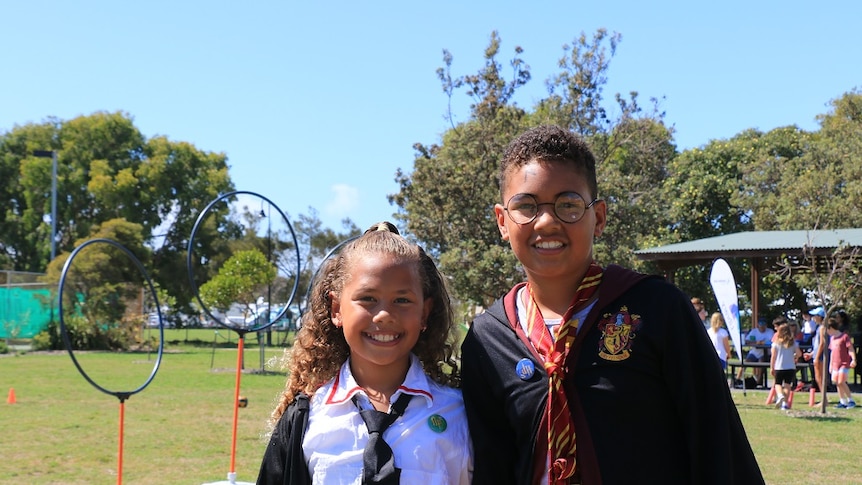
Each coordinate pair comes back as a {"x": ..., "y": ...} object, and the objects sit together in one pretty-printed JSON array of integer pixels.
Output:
[{"x": 549, "y": 143}]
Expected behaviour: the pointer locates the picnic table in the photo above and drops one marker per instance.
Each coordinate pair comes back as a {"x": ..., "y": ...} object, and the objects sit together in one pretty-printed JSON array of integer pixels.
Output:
[{"x": 801, "y": 367}]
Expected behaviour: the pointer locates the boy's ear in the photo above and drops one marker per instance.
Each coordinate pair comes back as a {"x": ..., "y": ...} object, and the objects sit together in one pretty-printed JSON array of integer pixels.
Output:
[
  {"x": 601, "y": 208},
  {"x": 335, "y": 309},
  {"x": 500, "y": 215}
]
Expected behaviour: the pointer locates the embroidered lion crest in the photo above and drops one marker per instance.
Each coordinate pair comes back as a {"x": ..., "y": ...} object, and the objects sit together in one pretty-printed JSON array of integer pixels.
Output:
[{"x": 618, "y": 330}]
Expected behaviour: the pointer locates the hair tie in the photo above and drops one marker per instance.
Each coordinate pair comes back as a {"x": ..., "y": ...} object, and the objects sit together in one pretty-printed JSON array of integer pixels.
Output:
[{"x": 384, "y": 226}]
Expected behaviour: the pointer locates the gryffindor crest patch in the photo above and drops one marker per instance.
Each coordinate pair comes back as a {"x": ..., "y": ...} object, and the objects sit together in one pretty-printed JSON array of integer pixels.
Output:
[{"x": 618, "y": 330}]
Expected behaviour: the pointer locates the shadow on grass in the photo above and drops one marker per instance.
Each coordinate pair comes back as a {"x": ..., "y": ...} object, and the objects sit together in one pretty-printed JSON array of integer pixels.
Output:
[{"x": 818, "y": 416}]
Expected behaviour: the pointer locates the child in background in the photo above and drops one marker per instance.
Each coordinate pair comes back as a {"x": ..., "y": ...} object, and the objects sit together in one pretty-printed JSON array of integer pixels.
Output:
[
  {"x": 809, "y": 326},
  {"x": 818, "y": 346},
  {"x": 797, "y": 334},
  {"x": 589, "y": 374},
  {"x": 758, "y": 336},
  {"x": 782, "y": 364},
  {"x": 843, "y": 358},
  {"x": 720, "y": 338},
  {"x": 379, "y": 337}
]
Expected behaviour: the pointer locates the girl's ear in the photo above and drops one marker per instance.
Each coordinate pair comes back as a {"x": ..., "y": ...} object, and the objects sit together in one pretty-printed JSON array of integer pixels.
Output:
[
  {"x": 426, "y": 310},
  {"x": 335, "y": 308}
]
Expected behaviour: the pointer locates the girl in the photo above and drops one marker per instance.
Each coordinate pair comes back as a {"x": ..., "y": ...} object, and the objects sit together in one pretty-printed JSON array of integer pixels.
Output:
[
  {"x": 842, "y": 360},
  {"x": 785, "y": 353},
  {"x": 720, "y": 338},
  {"x": 379, "y": 336}
]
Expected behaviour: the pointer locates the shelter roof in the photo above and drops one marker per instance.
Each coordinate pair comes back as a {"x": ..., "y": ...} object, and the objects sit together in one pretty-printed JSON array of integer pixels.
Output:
[{"x": 753, "y": 244}]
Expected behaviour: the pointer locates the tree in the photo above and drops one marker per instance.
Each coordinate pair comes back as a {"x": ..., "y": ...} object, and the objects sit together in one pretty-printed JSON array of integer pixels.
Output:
[
  {"x": 106, "y": 170},
  {"x": 829, "y": 177},
  {"x": 102, "y": 284},
  {"x": 455, "y": 221},
  {"x": 315, "y": 242},
  {"x": 241, "y": 279},
  {"x": 575, "y": 93}
]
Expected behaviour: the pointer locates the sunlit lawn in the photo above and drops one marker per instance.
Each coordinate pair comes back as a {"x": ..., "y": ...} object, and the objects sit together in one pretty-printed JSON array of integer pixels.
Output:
[{"x": 178, "y": 430}]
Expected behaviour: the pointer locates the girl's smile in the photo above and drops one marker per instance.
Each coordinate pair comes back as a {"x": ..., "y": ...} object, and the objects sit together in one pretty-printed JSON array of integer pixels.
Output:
[{"x": 382, "y": 311}]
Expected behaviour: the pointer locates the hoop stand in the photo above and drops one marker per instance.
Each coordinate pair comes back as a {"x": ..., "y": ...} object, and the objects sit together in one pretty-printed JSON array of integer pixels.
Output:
[
  {"x": 123, "y": 396},
  {"x": 231, "y": 476}
]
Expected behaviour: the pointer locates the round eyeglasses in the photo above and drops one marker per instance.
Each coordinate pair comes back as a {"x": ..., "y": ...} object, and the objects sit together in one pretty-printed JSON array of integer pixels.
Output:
[{"x": 569, "y": 207}]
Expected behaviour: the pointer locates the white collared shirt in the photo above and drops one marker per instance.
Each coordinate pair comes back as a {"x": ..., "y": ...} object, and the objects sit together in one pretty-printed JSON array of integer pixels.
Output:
[{"x": 336, "y": 434}]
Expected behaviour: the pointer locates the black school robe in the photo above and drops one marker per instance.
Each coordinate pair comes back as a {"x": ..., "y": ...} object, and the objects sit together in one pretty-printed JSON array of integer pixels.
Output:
[{"x": 646, "y": 390}]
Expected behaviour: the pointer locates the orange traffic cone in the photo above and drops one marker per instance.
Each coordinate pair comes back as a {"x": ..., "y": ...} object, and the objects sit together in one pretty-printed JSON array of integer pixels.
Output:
[
  {"x": 770, "y": 399},
  {"x": 11, "y": 398}
]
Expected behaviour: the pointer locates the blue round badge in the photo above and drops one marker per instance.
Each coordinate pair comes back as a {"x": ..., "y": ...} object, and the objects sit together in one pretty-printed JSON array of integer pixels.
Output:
[{"x": 525, "y": 369}]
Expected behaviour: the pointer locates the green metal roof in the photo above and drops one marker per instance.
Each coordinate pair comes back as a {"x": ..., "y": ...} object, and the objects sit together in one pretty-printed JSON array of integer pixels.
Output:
[{"x": 754, "y": 244}]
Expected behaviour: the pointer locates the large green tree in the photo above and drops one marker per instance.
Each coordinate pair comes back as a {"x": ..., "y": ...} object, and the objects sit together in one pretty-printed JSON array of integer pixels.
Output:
[
  {"x": 448, "y": 197},
  {"x": 447, "y": 200},
  {"x": 106, "y": 170},
  {"x": 730, "y": 186},
  {"x": 103, "y": 289}
]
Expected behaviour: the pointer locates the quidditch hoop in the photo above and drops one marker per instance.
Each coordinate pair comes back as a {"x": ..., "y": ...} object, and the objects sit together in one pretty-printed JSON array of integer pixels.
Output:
[
  {"x": 190, "y": 265},
  {"x": 121, "y": 395}
]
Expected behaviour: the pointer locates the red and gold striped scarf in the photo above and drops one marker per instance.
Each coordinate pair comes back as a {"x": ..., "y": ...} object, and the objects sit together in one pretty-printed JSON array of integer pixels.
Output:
[{"x": 561, "y": 428}]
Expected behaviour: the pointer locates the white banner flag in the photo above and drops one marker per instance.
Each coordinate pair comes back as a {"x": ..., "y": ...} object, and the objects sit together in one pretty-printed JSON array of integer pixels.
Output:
[{"x": 724, "y": 287}]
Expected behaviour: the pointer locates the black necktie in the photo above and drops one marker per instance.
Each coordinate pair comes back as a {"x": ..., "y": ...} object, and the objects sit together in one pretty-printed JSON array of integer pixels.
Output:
[{"x": 378, "y": 464}]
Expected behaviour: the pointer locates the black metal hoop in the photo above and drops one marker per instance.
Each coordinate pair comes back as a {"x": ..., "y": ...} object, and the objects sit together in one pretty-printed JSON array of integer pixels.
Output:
[
  {"x": 121, "y": 395},
  {"x": 325, "y": 258},
  {"x": 190, "y": 265}
]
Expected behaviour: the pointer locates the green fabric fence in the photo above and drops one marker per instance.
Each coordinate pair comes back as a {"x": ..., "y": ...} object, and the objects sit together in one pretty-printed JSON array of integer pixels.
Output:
[{"x": 24, "y": 312}]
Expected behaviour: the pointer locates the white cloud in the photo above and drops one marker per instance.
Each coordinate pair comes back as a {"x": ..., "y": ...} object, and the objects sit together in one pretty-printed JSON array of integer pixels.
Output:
[{"x": 345, "y": 201}]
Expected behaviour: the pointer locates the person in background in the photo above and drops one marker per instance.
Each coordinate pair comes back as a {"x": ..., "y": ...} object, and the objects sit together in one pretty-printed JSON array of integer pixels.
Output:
[
  {"x": 371, "y": 394},
  {"x": 700, "y": 308},
  {"x": 843, "y": 319},
  {"x": 816, "y": 355},
  {"x": 758, "y": 336},
  {"x": 782, "y": 364},
  {"x": 797, "y": 334},
  {"x": 809, "y": 326},
  {"x": 719, "y": 337},
  {"x": 589, "y": 374},
  {"x": 842, "y": 359},
  {"x": 777, "y": 322}
]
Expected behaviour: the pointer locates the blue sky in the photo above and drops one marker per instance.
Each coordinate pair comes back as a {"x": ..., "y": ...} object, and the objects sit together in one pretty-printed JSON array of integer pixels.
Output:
[{"x": 317, "y": 104}]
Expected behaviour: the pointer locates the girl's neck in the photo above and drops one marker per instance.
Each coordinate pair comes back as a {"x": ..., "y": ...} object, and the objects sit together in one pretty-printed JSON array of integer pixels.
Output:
[{"x": 380, "y": 381}]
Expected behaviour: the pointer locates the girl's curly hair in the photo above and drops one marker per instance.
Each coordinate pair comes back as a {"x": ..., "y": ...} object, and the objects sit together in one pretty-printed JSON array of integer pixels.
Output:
[{"x": 320, "y": 348}]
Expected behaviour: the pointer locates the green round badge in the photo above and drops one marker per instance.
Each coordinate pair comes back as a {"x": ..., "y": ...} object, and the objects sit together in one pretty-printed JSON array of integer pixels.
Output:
[{"x": 437, "y": 423}]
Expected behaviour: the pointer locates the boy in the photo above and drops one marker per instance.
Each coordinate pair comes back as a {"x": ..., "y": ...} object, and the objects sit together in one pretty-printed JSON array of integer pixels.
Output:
[{"x": 641, "y": 395}]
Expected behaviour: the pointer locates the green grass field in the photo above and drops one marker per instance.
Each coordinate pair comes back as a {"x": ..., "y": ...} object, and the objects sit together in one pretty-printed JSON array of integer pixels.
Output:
[{"x": 178, "y": 430}]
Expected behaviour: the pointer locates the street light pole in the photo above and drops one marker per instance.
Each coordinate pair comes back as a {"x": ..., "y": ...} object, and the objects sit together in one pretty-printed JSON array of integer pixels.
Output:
[
  {"x": 52, "y": 154},
  {"x": 269, "y": 285}
]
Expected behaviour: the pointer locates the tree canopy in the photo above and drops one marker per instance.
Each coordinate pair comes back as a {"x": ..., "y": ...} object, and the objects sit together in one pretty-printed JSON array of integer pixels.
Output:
[
  {"x": 786, "y": 178},
  {"x": 147, "y": 192}
]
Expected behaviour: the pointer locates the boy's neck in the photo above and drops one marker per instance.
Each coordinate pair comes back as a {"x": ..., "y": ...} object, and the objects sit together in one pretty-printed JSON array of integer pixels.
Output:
[{"x": 554, "y": 296}]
